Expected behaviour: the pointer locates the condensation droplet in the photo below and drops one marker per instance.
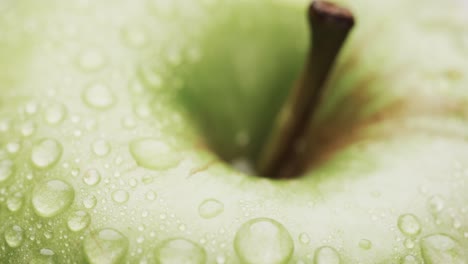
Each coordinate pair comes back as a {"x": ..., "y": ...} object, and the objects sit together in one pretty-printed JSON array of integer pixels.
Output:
[
  {"x": 105, "y": 246},
  {"x": 150, "y": 196},
  {"x": 91, "y": 177},
  {"x": 409, "y": 259},
  {"x": 153, "y": 154},
  {"x": 134, "y": 36},
  {"x": 52, "y": 197},
  {"x": 27, "y": 128},
  {"x": 304, "y": 238},
  {"x": 365, "y": 244},
  {"x": 263, "y": 240},
  {"x": 101, "y": 147},
  {"x": 409, "y": 224},
  {"x": 120, "y": 196},
  {"x": 55, "y": 113},
  {"x": 78, "y": 221},
  {"x": 13, "y": 147},
  {"x": 436, "y": 204},
  {"x": 326, "y": 255},
  {"x": 180, "y": 250},
  {"x": 15, "y": 202},
  {"x": 98, "y": 95},
  {"x": 89, "y": 202},
  {"x": 45, "y": 153},
  {"x": 14, "y": 236},
  {"x": 210, "y": 208},
  {"x": 7, "y": 169},
  {"x": 441, "y": 248},
  {"x": 91, "y": 60},
  {"x": 409, "y": 243}
]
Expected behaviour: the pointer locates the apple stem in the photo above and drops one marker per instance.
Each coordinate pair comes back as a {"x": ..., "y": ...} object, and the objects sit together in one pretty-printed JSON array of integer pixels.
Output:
[{"x": 281, "y": 156}]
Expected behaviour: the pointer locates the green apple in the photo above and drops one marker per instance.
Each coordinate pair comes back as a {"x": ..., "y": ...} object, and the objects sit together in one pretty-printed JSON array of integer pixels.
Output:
[{"x": 116, "y": 118}]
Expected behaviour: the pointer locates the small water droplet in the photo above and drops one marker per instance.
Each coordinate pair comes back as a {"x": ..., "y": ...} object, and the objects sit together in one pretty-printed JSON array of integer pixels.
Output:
[
  {"x": 120, "y": 196},
  {"x": 31, "y": 108},
  {"x": 14, "y": 236},
  {"x": 409, "y": 224},
  {"x": 210, "y": 208},
  {"x": 27, "y": 128},
  {"x": 134, "y": 36},
  {"x": 128, "y": 122},
  {"x": 51, "y": 197},
  {"x": 409, "y": 243},
  {"x": 91, "y": 60},
  {"x": 263, "y": 240},
  {"x": 45, "y": 153},
  {"x": 7, "y": 169},
  {"x": 436, "y": 204},
  {"x": 326, "y": 255},
  {"x": 101, "y": 147},
  {"x": 89, "y": 202},
  {"x": 55, "y": 113},
  {"x": 180, "y": 250},
  {"x": 150, "y": 196},
  {"x": 91, "y": 177},
  {"x": 105, "y": 246},
  {"x": 304, "y": 238},
  {"x": 409, "y": 259},
  {"x": 98, "y": 95},
  {"x": 153, "y": 154},
  {"x": 13, "y": 147},
  {"x": 78, "y": 221},
  {"x": 441, "y": 248},
  {"x": 15, "y": 202},
  {"x": 365, "y": 244}
]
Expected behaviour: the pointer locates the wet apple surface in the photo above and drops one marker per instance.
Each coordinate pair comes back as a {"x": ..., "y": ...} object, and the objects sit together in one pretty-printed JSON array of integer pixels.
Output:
[{"x": 115, "y": 117}]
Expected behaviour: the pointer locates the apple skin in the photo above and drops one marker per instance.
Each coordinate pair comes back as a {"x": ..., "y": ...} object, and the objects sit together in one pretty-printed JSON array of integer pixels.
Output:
[{"x": 107, "y": 108}]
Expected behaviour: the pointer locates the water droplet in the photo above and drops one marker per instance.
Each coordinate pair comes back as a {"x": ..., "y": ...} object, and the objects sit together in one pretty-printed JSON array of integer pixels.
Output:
[
  {"x": 120, "y": 196},
  {"x": 410, "y": 259},
  {"x": 55, "y": 113},
  {"x": 78, "y": 221},
  {"x": 91, "y": 60},
  {"x": 7, "y": 169},
  {"x": 101, "y": 147},
  {"x": 150, "y": 196},
  {"x": 31, "y": 108},
  {"x": 409, "y": 225},
  {"x": 13, "y": 147},
  {"x": 409, "y": 243},
  {"x": 46, "y": 252},
  {"x": 304, "y": 238},
  {"x": 45, "y": 153},
  {"x": 135, "y": 36},
  {"x": 51, "y": 197},
  {"x": 210, "y": 208},
  {"x": 14, "y": 236},
  {"x": 263, "y": 240},
  {"x": 92, "y": 177},
  {"x": 440, "y": 248},
  {"x": 27, "y": 128},
  {"x": 89, "y": 202},
  {"x": 180, "y": 250},
  {"x": 436, "y": 204},
  {"x": 15, "y": 202},
  {"x": 98, "y": 95},
  {"x": 105, "y": 246},
  {"x": 128, "y": 122},
  {"x": 153, "y": 154},
  {"x": 326, "y": 255},
  {"x": 365, "y": 244}
]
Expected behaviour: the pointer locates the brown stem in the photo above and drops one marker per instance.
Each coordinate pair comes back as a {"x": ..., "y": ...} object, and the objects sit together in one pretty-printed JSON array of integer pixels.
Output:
[{"x": 330, "y": 25}]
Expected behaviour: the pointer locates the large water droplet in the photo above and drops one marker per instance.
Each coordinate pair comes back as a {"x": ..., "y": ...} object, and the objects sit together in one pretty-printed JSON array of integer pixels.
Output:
[
  {"x": 91, "y": 60},
  {"x": 440, "y": 248},
  {"x": 55, "y": 113},
  {"x": 180, "y": 250},
  {"x": 101, "y": 147},
  {"x": 106, "y": 246},
  {"x": 409, "y": 224},
  {"x": 78, "y": 221},
  {"x": 51, "y": 197},
  {"x": 263, "y": 240},
  {"x": 45, "y": 153},
  {"x": 7, "y": 169},
  {"x": 91, "y": 177},
  {"x": 98, "y": 95},
  {"x": 120, "y": 196},
  {"x": 14, "y": 236},
  {"x": 153, "y": 154},
  {"x": 326, "y": 255},
  {"x": 210, "y": 208}
]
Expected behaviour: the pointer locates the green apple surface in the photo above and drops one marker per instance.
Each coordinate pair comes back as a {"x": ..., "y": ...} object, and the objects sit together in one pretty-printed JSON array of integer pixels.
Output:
[{"x": 114, "y": 116}]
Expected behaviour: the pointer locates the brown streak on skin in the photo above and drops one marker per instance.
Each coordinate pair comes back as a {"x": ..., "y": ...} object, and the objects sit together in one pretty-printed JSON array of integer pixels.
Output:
[{"x": 202, "y": 168}]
